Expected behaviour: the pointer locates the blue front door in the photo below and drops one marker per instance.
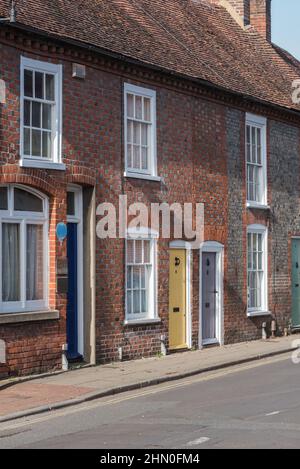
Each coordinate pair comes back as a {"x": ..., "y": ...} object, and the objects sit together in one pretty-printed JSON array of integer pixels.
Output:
[{"x": 72, "y": 308}]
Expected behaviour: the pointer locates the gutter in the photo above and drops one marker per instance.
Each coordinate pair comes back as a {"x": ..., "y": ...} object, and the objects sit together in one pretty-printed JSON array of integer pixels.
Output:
[{"x": 115, "y": 55}]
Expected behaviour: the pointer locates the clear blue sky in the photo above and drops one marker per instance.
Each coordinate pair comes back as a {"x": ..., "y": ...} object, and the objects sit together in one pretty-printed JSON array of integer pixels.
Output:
[{"x": 286, "y": 25}]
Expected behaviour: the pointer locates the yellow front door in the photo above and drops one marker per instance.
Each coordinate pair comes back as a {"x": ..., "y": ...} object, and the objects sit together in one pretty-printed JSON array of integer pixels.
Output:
[{"x": 177, "y": 300}]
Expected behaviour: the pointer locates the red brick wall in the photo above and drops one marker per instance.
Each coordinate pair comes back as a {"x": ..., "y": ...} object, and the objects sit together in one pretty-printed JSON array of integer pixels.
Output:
[{"x": 194, "y": 142}]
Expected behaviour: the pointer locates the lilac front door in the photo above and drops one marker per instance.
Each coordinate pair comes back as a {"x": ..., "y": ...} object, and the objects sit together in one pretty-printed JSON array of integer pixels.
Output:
[{"x": 209, "y": 298}]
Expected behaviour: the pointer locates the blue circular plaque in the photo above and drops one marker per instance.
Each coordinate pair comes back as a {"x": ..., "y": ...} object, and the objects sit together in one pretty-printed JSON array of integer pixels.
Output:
[{"x": 61, "y": 231}]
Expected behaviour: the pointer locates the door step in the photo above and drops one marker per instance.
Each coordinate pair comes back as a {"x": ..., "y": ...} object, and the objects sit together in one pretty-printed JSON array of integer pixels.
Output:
[
  {"x": 4, "y": 371},
  {"x": 179, "y": 350}
]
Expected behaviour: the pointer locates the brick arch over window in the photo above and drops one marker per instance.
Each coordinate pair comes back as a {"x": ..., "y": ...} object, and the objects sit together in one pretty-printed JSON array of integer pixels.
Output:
[
  {"x": 13, "y": 174},
  {"x": 81, "y": 175}
]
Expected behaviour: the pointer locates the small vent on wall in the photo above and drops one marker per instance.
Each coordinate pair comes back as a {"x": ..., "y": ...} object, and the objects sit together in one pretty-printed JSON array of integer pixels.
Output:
[{"x": 79, "y": 71}]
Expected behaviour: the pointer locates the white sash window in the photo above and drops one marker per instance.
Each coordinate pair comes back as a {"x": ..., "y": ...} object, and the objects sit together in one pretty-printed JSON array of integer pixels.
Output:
[
  {"x": 140, "y": 132},
  {"x": 23, "y": 249},
  {"x": 257, "y": 270},
  {"x": 141, "y": 278},
  {"x": 41, "y": 114},
  {"x": 256, "y": 161}
]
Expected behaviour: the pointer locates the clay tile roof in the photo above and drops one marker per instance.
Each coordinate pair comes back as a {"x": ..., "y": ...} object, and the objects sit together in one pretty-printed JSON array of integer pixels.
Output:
[{"x": 189, "y": 37}]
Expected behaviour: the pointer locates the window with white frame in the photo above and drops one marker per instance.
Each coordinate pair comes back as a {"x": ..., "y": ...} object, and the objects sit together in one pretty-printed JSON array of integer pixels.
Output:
[
  {"x": 257, "y": 269},
  {"x": 23, "y": 249},
  {"x": 256, "y": 160},
  {"x": 41, "y": 84},
  {"x": 140, "y": 131},
  {"x": 140, "y": 279}
]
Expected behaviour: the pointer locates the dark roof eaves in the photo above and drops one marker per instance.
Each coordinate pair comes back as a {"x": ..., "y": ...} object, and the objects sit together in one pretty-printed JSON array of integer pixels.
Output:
[{"x": 115, "y": 55}]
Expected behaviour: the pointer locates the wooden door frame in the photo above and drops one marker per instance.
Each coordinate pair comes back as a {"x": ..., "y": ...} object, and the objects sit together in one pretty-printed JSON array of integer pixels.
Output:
[
  {"x": 218, "y": 249},
  {"x": 185, "y": 246}
]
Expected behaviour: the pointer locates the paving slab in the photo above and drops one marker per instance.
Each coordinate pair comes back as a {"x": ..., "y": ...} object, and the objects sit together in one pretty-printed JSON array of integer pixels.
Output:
[{"x": 70, "y": 388}]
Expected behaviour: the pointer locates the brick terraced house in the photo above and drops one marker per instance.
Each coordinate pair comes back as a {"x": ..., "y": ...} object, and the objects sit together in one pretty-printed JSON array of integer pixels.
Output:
[{"x": 167, "y": 101}]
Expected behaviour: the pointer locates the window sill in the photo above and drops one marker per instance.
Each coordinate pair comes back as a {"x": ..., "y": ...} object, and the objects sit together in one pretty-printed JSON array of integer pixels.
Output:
[
  {"x": 256, "y": 206},
  {"x": 146, "y": 177},
  {"x": 142, "y": 322},
  {"x": 15, "y": 318},
  {"x": 254, "y": 314},
  {"x": 27, "y": 163}
]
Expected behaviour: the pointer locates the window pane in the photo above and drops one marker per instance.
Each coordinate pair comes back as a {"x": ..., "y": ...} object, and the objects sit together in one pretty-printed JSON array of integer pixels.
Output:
[
  {"x": 138, "y": 107},
  {"x": 129, "y": 156},
  {"x": 248, "y": 135},
  {"x": 27, "y": 133},
  {"x": 257, "y": 176},
  {"x": 147, "y": 109},
  {"x": 136, "y": 133},
  {"x": 145, "y": 158},
  {"x": 260, "y": 242},
  {"x": 136, "y": 302},
  {"x": 28, "y": 87},
  {"x": 36, "y": 115},
  {"x": 129, "y": 277},
  {"x": 144, "y": 302},
  {"x": 39, "y": 85},
  {"x": 253, "y": 145},
  {"x": 145, "y": 134},
  {"x": 27, "y": 112},
  {"x": 36, "y": 142},
  {"x": 50, "y": 95},
  {"x": 143, "y": 277},
  {"x": 259, "y": 146},
  {"x": 71, "y": 203},
  {"x": 3, "y": 198},
  {"x": 260, "y": 261},
  {"x": 130, "y": 105},
  {"x": 248, "y": 153},
  {"x": 10, "y": 262},
  {"x": 136, "y": 157},
  {"x": 47, "y": 108},
  {"x": 26, "y": 202},
  {"x": 138, "y": 252},
  {"x": 250, "y": 170},
  {"x": 254, "y": 237},
  {"x": 130, "y": 252},
  {"x": 34, "y": 263},
  {"x": 46, "y": 144},
  {"x": 147, "y": 252},
  {"x": 136, "y": 277},
  {"x": 129, "y": 131},
  {"x": 129, "y": 302}
]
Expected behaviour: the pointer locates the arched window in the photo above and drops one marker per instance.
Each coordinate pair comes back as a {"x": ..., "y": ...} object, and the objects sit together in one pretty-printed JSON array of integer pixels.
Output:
[{"x": 23, "y": 249}]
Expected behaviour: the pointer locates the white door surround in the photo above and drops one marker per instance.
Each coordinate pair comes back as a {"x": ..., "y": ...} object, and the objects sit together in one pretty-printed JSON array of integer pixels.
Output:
[{"x": 218, "y": 249}]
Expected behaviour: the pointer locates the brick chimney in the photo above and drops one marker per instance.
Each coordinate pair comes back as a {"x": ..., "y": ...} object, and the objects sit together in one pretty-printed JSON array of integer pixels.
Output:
[
  {"x": 257, "y": 13},
  {"x": 260, "y": 17},
  {"x": 242, "y": 7}
]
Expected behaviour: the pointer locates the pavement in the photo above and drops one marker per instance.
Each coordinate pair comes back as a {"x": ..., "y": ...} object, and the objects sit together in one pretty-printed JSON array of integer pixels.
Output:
[
  {"x": 41, "y": 395},
  {"x": 253, "y": 405}
]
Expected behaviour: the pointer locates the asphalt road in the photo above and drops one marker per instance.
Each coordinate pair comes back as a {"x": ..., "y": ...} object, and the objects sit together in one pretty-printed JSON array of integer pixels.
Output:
[{"x": 251, "y": 406}]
